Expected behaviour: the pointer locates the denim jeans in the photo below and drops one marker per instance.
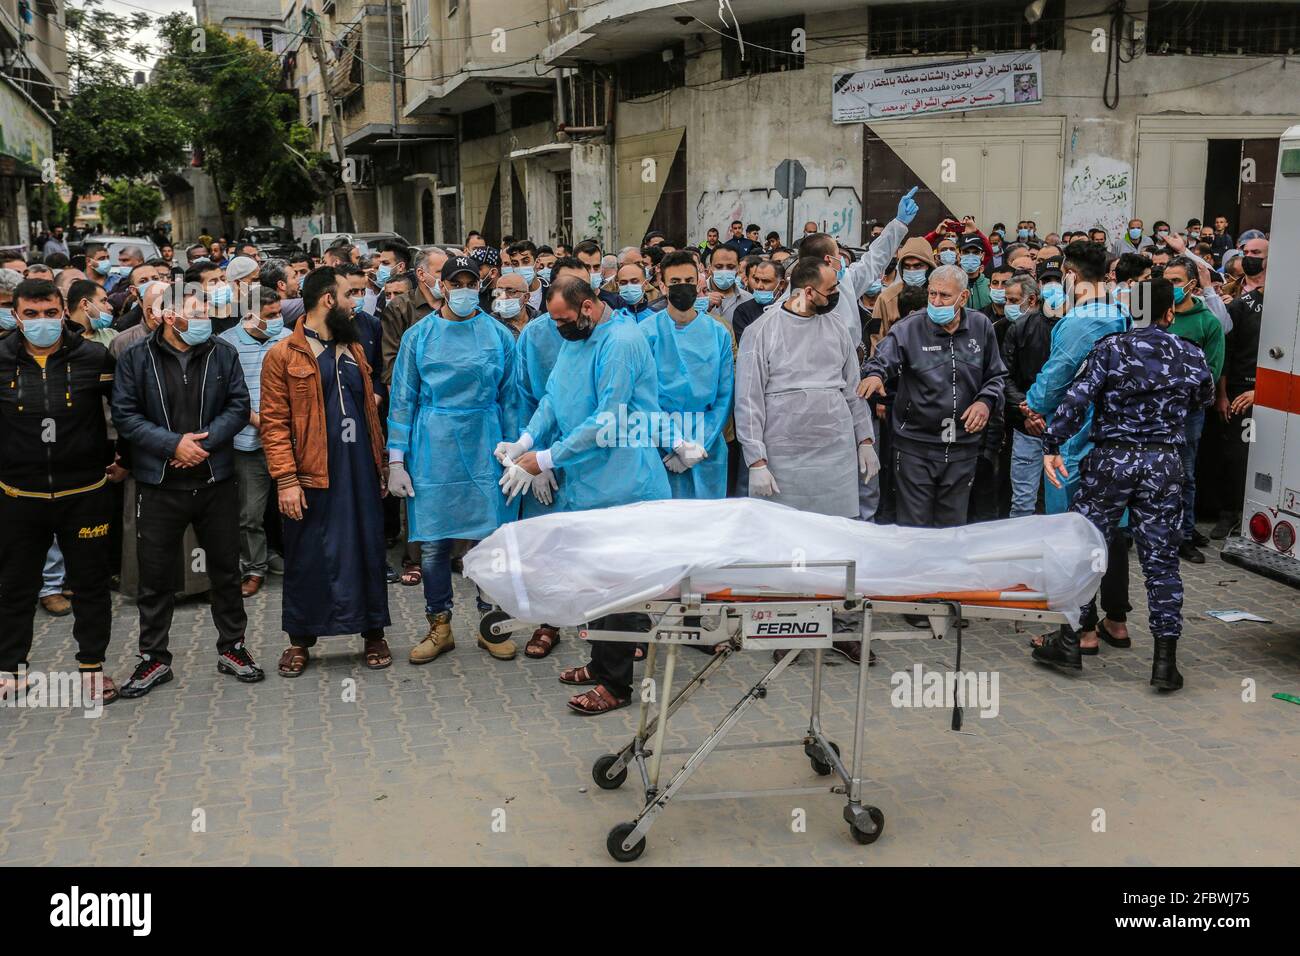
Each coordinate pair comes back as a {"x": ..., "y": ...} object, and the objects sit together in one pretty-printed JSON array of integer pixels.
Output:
[
  {"x": 1026, "y": 472},
  {"x": 254, "y": 491},
  {"x": 435, "y": 571},
  {"x": 52, "y": 575},
  {"x": 1195, "y": 425}
]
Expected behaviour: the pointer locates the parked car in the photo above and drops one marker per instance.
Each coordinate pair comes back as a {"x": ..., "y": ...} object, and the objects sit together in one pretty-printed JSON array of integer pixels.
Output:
[
  {"x": 365, "y": 241},
  {"x": 115, "y": 244},
  {"x": 275, "y": 242}
]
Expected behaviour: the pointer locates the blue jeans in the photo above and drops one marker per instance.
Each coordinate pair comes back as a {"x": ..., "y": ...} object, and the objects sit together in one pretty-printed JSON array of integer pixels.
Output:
[
  {"x": 435, "y": 572},
  {"x": 1026, "y": 472},
  {"x": 1195, "y": 425},
  {"x": 52, "y": 575}
]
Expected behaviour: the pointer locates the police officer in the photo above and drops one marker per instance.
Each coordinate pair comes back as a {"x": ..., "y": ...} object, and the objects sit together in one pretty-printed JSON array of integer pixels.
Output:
[{"x": 1143, "y": 384}]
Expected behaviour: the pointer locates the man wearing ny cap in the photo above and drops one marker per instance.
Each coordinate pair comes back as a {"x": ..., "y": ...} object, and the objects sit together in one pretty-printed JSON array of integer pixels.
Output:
[
  {"x": 488, "y": 259},
  {"x": 970, "y": 256}
]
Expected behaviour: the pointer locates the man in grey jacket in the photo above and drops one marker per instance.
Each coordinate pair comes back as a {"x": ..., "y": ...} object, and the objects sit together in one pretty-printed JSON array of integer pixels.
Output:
[{"x": 950, "y": 379}]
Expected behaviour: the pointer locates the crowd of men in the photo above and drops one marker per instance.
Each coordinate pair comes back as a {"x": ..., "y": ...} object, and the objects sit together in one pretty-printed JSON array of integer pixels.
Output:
[{"x": 313, "y": 418}]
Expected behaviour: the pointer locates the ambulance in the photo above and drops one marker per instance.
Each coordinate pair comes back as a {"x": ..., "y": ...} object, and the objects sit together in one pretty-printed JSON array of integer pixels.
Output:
[{"x": 1270, "y": 517}]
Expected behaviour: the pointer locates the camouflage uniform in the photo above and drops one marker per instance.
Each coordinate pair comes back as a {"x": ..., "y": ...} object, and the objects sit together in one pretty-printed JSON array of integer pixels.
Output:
[{"x": 1141, "y": 385}]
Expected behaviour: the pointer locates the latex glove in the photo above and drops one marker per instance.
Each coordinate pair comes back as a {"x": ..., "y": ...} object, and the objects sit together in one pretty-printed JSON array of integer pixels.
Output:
[
  {"x": 508, "y": 451},
  {"x": 675, "y": 464},
  {"x": 399, "y": 482},
  {"x": 514, "y": 481},
  {"x": 907, "y": 207},
  {"x": 868, "y": 462},
  {"x": 690, "y": 453},
  {"x": 761, "y": 482},
  {"x": 544, "y": 486}
]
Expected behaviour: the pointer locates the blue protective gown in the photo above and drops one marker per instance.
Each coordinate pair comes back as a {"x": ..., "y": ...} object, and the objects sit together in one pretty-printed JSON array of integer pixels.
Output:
[
  {"x": 697, "y": 379},
  {"x": 452, "y": 400},
  {"x": 1072, "y": 339},
  {"x": 536, "y": 350},
  {"x": 599, "y": 384}
]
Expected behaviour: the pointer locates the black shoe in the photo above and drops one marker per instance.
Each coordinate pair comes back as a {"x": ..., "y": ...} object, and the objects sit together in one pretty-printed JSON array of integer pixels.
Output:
[
  {"x": 238, "y": 663},
  {"x": 1062, "y": 650},
  {"x": 853, "y": 651},
  {"x": 392, "y": 575},
  {"x": 1164, "y": 666},
  {"x": 1190, "y": 552},
  {"x": 1225, "y": 525},
  {"x": 146, "y": 676},
  {"x": 1110, "y": 639},
  {"x": 1199, "y": 539}
]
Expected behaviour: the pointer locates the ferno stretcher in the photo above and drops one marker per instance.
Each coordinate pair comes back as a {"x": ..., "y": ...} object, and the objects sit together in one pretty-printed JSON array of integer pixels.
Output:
[{"x": 759, "y": 621}]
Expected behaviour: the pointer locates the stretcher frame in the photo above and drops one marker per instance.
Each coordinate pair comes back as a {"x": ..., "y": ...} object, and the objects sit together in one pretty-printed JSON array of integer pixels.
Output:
[{"x": 685, "y": 621}]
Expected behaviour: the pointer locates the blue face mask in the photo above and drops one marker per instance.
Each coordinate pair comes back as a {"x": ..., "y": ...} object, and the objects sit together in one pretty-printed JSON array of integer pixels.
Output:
[
  {"x": 597, "y": 280},
  {"x": 103, "y": 266},
  {"x": 948, "y": 256},
  {"x": 1013, "y": 311},
  {"x": 358, "y": 305},
  {"x": 1135, "y": 234},
  {"x": 507, "y": 270},
  {"x": 42, "y": 333},
  {"x": 1022, "y": 233},
  {"x": 119, "y": 270},
  {"x": 940, "y": 314},
  {"x": 724, "y": 279},
  {"x": 197, "y": 332},
  {"x": 1054, "y": 295},
  {"x": 631, "y": 294},
  {"x": 998, "y": 295},
  {"x": 649, "y": 274},
  {"x": 7, "y": 320},
  {"x": 914, "y": 277},
  {"x": 274, "y": 327},
  {"x": 527, "y": 273},
  {"x": 506, "y": 308},
  {"x": 874, "y": 288},
  {"x": 101, "y": 320},
  {"x": 702, "y": 304},
  {"x": 463, "y": 302},
  {"x": 382, "y": 275},
  {"x": 764, "y": 296},
  {"x": 1180, "y": 293},
  {"x": 970, "y": 263},
  {"x": 839, "y": 273},
  {"x": 544, "y": 274},
  {"x": 221, "y": 295}
]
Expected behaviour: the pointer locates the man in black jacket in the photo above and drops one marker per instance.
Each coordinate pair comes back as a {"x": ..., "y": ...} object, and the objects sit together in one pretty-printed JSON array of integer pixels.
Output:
[
  {"x": 1025, "y": 348},
  {"x": 54, "y": 460},
  {"x": 179, "y": 400},
  {"x": 950, "y": 379}
]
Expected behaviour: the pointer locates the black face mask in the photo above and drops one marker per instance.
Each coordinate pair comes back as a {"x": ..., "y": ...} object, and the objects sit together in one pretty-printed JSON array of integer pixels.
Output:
[
  {"x": 681, "y": 296},
  {"x": 342, "y": 329},
  {"x": 832, "y": 300},
  {"x": 1252, "y": 265},
  {"x": 577, "y": 330}
]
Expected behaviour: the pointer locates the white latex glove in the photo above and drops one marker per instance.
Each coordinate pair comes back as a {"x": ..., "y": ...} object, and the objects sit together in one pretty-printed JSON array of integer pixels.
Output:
[
  {"x": 690, "y": 453},
  {"x": 675, "y": 464},
  {"x": 399, "y": 482},
  {"x": 868, "y": 462},
  {"x": 544, "y": 486},
  {"x": 515, "y": 481},
  {"x": 761, "y": 482},
  {"x": 508, "y": 451}
]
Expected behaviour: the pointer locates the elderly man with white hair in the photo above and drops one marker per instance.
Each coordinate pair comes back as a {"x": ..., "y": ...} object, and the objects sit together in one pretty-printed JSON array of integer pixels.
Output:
[{"x": 945, "y": 370}]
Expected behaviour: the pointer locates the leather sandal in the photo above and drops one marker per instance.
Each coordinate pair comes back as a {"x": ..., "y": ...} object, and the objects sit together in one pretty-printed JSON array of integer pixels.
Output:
[
  {"x": 578, "y": 676},
  {"x": 596, "y": 701},
  {"x": 542, "y": 642},
  {"x": 377, "y": 655},
  {"x": 293, "y": 661},
  {"x": 1113, "y": 641}
]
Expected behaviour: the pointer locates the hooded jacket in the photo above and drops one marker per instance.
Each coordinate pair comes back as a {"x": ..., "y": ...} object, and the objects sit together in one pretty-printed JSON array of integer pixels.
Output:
[
  {"x": 886, "y": 308},
  {"x": 1199, "y": 326}
]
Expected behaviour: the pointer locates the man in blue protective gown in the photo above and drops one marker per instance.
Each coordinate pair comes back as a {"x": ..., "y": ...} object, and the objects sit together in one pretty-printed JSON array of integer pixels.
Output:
[
  {"x": 451, "y": 402},
  {"x": 594, "y": 428},
  {"x": 694, "y": 356}
]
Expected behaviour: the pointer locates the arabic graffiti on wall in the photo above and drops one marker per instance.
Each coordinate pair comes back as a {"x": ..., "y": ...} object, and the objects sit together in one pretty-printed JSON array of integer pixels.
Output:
[
  {"x": 1005, "y": 79},
  {"x": 1098, "y": 191},
  {"x": 837, "y": 211}
]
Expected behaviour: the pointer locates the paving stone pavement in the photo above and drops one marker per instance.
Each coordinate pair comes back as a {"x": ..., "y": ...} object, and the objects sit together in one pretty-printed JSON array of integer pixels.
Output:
[{"x": 474, "y": 761}]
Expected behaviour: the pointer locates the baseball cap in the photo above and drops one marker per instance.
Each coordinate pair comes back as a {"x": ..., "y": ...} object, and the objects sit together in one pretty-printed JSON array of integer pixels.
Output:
[
  {"x": 488, "y": 255},
  {"x": 458, "y": 264},
  {"x": 1049, "y": 270},
  {"x": 971, "y": 243}
]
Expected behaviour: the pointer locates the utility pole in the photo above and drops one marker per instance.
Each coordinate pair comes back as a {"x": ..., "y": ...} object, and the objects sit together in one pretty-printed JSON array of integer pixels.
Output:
[{"x": 318, "y": 50}]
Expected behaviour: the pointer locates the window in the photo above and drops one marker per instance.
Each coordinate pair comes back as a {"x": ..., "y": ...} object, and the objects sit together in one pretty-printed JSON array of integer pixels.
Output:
[
  {"x": 528, "y": 108},
  {"x": 768, "y": 48},
  {"x": 476, "y": 124},
  {"x": 452, "y": 6},
  {"x": 586, "y": 92},
  {"x": 919, "y": 29},
  {"x": 1262, "y": 29},
  {"x": 418, "y": 16},
  {"x": 652, "y": 73}
]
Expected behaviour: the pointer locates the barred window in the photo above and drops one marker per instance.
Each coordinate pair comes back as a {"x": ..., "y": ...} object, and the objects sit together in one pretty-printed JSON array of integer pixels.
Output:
[
  {"x": 919, "y": 29},
  {"x": 652, "y": 73},
  {"x": 1260, "y": 29},
  {"x": 769, "y": 47}
]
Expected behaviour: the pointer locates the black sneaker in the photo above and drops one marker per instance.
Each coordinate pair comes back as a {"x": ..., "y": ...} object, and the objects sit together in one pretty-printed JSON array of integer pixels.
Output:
[
  {"x": 146, "y": 676},
  {"x": 239, "y": 663},
  {"x": 1199, "y": 539},
  {"x": 1190, "y": 552}
]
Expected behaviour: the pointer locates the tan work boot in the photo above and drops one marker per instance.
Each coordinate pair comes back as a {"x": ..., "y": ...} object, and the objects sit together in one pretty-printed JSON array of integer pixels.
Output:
[
  {"x": 437, "y": 641},
  {"x": 505, "y": 651}
]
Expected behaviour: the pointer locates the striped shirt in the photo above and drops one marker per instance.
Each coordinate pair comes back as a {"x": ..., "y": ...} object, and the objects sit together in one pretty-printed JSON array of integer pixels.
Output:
[{"x": 251, "y": 352}]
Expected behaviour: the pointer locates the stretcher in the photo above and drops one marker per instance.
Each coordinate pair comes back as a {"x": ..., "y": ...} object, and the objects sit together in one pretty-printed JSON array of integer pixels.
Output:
[{"x": 757, "y": 620}]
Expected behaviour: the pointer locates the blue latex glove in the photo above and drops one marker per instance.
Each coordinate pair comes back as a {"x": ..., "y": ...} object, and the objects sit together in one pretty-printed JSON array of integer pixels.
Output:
[{"x": 907, "y": 207}]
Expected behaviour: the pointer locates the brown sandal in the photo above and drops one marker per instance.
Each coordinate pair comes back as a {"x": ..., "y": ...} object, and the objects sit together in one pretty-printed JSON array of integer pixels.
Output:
[
  {"x": 377, "y": 655},
  {"x": 578, "y": 676},
  {"x": 293, "y": 661},
  {"x": 542, "y": 642},
  {"x": 596, "y": 701}
]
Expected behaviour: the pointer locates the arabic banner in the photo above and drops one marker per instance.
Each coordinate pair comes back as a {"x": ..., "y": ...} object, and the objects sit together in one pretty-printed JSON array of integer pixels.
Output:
[{"x": 1002, "y": 79}]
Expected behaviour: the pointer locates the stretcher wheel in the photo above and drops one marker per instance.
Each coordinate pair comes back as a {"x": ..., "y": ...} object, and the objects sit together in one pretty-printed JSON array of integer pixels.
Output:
[
  {"x": 485, "y": 626},
  {"x": 821, "y": 767},
  {"x": 862, "y": 836},
  {"x": 614, "y": 843},
  {"x": 600, "y": 770}
]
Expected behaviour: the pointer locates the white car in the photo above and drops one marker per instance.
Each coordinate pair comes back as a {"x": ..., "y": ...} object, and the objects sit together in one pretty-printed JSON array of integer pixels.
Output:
[{"x": 367, "y": 242}]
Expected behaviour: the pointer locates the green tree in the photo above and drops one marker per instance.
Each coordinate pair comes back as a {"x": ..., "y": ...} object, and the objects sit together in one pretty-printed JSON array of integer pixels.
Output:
[
  {"x": 245, "y": 126},
  {"x": 108, "y": 128},
  {"x": 125, "y": 203}
]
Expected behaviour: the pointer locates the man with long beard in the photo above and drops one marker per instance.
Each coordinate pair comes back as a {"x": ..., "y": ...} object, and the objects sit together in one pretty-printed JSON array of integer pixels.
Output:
[{"x": 324, "y": 450}]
